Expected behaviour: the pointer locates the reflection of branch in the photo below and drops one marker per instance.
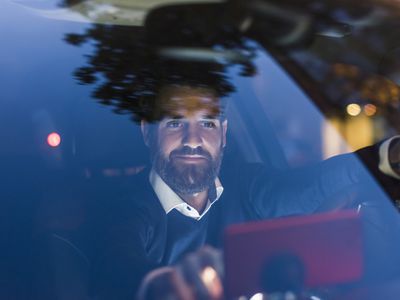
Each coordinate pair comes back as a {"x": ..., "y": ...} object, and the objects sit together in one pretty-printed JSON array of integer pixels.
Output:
[{"x": 127, "y": 70}]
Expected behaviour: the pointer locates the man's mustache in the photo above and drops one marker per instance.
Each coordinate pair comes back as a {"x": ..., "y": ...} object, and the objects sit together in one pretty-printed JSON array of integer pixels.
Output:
[{"x": 185, "y": 150}]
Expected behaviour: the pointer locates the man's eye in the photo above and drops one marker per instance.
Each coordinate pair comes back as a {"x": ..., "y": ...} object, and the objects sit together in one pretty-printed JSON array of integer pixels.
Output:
[
  {"x": 174, "y": 124},
  {"x": 209, "y": 124}
]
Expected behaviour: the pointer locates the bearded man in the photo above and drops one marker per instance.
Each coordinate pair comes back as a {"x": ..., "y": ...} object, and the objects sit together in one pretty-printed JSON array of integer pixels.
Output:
[{"x": 180, "y": 204}]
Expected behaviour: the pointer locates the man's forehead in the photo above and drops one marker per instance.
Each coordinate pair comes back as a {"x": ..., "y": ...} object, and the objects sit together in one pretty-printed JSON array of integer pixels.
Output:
[
  {"x": 181, "y": 101},
  {"x": 200, "y": 114}
]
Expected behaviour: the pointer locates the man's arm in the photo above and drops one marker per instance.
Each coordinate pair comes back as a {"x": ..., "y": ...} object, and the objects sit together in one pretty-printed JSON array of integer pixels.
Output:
[
  {"x": 328, "y": 185},
  {"x": 300, "y": 191},
  {"x": 121, "y": 261},
  {"x": 351, "y": 180}
]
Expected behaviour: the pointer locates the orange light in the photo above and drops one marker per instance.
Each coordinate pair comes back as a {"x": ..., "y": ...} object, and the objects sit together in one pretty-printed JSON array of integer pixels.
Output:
[
  {"x": 370, "y": 110},
  {"x": 54, "y": 139}
]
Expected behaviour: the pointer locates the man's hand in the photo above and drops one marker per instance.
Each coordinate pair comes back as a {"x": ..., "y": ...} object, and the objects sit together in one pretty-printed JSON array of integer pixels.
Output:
[
  {"x": 203, "y": 272},
  {"x": 197, "y": 276},
  {"x": 164, "y": 283}
]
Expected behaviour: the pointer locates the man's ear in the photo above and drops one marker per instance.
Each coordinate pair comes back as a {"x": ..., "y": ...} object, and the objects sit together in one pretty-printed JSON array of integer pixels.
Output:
[
  {"x": 144, "y": 126},
  {"x": 224, "y": 129}
]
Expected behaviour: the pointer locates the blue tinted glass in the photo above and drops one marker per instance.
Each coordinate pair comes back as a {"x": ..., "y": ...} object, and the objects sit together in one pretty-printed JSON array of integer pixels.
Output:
[{"x": 132, "y": 138}]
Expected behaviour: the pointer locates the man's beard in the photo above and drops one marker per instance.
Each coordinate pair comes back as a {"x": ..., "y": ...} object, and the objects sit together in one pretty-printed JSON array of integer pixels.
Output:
[{"x": 187, "y": 178}]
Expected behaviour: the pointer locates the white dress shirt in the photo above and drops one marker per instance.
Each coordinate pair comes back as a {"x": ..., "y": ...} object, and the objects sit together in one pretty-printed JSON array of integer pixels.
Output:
[{"x": 170, "y": 200}]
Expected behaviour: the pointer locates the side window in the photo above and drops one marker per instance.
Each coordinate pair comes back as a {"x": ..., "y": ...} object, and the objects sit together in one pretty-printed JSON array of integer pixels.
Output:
[{"x": 305, "y": 135}]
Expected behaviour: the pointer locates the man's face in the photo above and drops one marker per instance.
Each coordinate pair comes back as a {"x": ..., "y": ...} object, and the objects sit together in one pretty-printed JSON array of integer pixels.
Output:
[{"x": 187, "y": 145}]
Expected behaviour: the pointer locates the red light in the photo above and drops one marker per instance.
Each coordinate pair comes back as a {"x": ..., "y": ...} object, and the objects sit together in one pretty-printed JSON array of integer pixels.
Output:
[{"x": 54, "y": 139}]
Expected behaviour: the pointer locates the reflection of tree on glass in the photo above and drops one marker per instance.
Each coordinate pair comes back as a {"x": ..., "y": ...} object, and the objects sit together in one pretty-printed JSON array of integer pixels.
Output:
[{"x": 131, "y": 64}]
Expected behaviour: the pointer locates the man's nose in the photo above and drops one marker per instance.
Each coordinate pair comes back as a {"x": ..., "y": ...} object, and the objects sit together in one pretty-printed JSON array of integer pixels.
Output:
[{"x": 192, "y": 137}]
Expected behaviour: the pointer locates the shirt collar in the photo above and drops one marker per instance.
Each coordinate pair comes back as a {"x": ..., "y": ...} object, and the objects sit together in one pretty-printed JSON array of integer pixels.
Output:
[{"x": 170, "y": 200}]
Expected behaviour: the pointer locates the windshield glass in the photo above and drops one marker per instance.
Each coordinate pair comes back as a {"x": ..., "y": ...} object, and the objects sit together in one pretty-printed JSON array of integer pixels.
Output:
[{"x": 136, "y": 132}]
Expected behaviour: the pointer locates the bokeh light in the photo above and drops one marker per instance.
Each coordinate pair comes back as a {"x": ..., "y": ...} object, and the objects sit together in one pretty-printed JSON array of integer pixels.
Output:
[
  {"x": 370, "y": 110},
  {"x": 54, "y": 139},
  {"x": 212, "y": 282},
  {"x": 353, "y": 109}
]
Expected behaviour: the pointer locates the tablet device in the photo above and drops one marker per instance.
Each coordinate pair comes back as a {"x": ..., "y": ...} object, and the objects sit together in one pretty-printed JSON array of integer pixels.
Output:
[{"x": 293, "y": 252}]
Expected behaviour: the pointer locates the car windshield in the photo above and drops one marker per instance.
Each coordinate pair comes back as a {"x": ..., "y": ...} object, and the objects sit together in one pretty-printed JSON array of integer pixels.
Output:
[{"x": 134, "y": 133}]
